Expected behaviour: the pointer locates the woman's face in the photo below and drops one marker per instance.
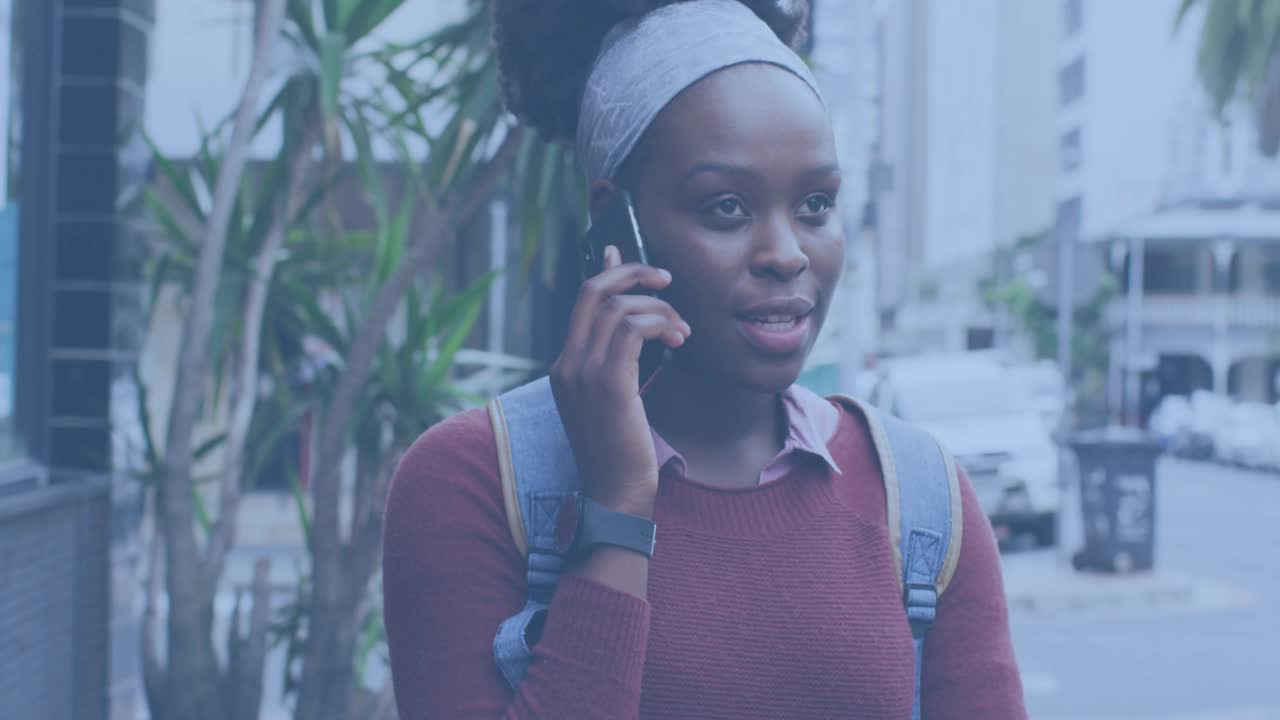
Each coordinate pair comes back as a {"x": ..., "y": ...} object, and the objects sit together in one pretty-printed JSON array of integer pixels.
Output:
[{"x": 735, "y": 186}]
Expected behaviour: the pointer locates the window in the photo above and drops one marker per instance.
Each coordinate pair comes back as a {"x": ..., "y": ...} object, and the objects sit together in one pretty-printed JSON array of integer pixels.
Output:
[
  {"x": 1228, "y": 282},
  {"x": 1271, "y": 273},
  {"x": 1072, "y": 16},
  {"x": 1071, "y": 82},
  {"x": 1069, "y": 150},
  {"x": 979, "y": 338},
  {"x": 1167, "y": 272},
  {"x": 1067, "y": 222}
]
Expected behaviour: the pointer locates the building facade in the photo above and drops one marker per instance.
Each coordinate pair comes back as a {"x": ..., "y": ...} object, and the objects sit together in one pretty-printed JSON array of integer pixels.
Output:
[
  {"x": 70, "y": 328},
  {"x": 1181, "y": 207},
  {"x": 843, "y": 50},
  {"x": 966, "y": 160}
]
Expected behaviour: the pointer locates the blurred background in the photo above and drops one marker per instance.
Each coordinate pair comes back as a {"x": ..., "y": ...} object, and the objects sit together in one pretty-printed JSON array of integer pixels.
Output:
[{"x": 250, "y": 250}]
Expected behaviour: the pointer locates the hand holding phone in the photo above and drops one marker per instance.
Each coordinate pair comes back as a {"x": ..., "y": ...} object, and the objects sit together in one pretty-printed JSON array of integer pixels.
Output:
[
  {"x": 596, "y": 380},
  {"x": 617, "y": 225}
]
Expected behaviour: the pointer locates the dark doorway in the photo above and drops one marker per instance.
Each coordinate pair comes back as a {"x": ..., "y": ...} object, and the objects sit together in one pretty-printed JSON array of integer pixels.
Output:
[{"x": 979, "y": 338}]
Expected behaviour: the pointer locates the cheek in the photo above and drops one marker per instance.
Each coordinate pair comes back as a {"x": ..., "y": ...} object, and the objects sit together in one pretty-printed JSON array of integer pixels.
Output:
[
  {"x": 826, "y": 258},
  {"x": 700, "y": 276}
]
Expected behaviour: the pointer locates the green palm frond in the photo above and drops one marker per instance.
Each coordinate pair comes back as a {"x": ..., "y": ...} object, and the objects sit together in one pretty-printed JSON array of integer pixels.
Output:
[{"x": 1239, "y": 58}]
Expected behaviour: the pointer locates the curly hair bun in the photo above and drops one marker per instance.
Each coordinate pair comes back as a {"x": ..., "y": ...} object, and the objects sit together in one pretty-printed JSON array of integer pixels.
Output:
[{"x": 546, "y": 48}]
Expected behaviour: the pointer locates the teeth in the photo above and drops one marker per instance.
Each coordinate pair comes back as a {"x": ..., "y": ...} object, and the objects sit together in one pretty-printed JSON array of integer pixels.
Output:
[{"x": 776, "y": 322}]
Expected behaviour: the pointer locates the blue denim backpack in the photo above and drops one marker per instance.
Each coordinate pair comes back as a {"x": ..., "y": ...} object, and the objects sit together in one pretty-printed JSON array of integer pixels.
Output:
[{"x": 538, "y": 470}]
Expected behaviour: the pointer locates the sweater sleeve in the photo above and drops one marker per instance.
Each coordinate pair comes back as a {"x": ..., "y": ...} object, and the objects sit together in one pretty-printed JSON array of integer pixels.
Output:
[
  {"x": 970, "y": 670},
  {"x": 452, "y": 574}
]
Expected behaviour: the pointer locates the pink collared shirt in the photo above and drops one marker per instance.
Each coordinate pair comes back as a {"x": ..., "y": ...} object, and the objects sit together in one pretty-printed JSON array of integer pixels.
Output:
[{"x": 811, "y": 423}]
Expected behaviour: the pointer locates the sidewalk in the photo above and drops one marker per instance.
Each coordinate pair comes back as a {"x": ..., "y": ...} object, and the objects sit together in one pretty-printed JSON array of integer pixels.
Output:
[{"x": 1042, "y": 584}]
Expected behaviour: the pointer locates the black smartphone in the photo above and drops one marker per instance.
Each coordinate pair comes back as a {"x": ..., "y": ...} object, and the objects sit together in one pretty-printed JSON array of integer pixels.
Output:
[{"x": 617, "y": 225}]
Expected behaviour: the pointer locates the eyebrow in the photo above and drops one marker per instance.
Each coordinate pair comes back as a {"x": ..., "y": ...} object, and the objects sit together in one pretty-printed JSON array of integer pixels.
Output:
[
  {"x": 730, "y": 169},
  {"x": 717, "y": 167}
]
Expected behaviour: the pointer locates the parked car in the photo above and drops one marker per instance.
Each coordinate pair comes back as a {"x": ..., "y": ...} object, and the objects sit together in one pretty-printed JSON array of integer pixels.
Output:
[
  {"x": 1250, "y": 437},
  {"x": 1208, "y": 426},
  {"x": 1209, "y": 412},
  {"x": 1171, "y": 422},
  {"x": 1048, "y": 393},
  {"x": 991, "y": 423}
]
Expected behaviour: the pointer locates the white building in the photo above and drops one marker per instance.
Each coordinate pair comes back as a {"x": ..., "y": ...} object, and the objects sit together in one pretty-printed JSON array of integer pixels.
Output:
[
  {"x": 967, "y": 159},
  {"x": 844, "y": 57},
  {"x": 1185, "y": 210}
]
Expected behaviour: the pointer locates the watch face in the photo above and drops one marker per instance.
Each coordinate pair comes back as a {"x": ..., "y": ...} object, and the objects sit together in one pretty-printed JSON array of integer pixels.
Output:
[{"x": 567, "y": 524}]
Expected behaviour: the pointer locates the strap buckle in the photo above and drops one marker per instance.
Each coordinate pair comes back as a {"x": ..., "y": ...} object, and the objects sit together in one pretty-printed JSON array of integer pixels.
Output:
[{"x": 921, "y": 601}]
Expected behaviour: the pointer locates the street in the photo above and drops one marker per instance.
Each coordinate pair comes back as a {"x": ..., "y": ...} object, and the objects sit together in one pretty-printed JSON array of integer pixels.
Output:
[{"x": 1210, "y": 650}]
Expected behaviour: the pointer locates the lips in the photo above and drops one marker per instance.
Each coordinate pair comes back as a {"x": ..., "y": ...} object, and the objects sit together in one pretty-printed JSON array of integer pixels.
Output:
[
  {"x": 776, "y": 327},
  {"x": 790, "y": 307}
]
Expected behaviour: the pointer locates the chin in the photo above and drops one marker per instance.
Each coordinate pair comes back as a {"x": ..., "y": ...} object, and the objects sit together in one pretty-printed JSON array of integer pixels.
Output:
[
  {"x": 766, "y": 377},
  {"x": 757, "y": 375}
]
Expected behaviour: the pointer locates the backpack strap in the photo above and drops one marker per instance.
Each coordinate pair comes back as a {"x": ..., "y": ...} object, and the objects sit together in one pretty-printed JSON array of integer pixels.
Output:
[
  {"x": 537, "y": 471},
  {"x": 922, "y": 494}
]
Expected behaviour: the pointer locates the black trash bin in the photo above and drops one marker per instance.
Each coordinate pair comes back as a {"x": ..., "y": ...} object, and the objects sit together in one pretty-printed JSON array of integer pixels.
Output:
[{"x": 1118, "y": 499}]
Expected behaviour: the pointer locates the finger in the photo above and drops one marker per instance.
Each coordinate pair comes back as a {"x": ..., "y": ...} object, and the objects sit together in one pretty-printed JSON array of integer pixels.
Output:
[
  {"x": 612, "y": 258},
  {"x": 615, "y": 355},
  {"x": 628, "y": 277},
  {"x": 597, "y": 290},
  {"x": 621, "y": 310},
  {"x": 623, "y": 355}
]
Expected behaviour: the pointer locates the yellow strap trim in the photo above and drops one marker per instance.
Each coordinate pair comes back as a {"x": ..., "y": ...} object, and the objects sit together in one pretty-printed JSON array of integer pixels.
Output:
[
  {"x": 507, "y": 475},
  {"x": 957, "y": 522},
  {"x": 890, "y": 472}
]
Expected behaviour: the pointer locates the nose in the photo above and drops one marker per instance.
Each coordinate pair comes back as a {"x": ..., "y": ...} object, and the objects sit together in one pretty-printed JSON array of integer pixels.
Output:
[{"x": 777, "y": 251}]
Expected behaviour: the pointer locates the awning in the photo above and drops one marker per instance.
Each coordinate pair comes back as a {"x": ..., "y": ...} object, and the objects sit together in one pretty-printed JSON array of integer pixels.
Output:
[{"x": 1246, "y": 222}]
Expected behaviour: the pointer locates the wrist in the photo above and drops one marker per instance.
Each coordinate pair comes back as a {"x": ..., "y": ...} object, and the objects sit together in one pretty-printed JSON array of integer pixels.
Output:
[
  {"x": 584, "y": 524},
  {"x": 637, "y": 503}
]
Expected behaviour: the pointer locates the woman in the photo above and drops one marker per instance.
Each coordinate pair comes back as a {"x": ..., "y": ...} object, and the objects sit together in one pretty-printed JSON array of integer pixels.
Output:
[{"x": 772, "y": 588}]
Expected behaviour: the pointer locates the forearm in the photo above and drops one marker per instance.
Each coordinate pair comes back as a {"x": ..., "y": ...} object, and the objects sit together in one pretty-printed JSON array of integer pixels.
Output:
[
  {"x": 617, "y": 568},
  {"x": 590, "y": 660}
]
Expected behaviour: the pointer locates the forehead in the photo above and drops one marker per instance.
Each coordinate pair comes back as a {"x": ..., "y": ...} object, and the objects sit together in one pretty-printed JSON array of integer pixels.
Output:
[{"x": 753, "y": 114}]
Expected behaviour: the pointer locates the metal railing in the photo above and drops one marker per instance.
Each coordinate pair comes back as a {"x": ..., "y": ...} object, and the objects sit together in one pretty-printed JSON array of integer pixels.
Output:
[
  {"x": 1261, "y": 312},
  {"x": 54, "y": 601}
]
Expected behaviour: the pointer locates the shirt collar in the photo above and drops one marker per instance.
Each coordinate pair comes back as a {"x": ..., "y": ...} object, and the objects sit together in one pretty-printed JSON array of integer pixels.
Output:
[{"x": 811, "y": 424}]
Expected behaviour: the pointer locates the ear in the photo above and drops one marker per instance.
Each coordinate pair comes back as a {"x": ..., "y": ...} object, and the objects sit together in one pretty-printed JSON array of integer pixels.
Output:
[{"x": 602, "y": 191}]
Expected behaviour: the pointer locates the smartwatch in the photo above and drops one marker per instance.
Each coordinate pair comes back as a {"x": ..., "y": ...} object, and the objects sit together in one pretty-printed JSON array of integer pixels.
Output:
[{"x": 584, "y": 523}]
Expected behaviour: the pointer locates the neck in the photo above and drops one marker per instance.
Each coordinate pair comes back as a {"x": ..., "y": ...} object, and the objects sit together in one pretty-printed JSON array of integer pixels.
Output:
[{"x": 691, "y": 410}]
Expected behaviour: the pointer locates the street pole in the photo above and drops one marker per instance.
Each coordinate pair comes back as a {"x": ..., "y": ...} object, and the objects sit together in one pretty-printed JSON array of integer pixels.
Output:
[
  {"x": 1223, "y": 252},
  {"x": 1066, "y": 302},
  {"x": 1066, "y": 233},
  {"x": 1133, "y": 351}
]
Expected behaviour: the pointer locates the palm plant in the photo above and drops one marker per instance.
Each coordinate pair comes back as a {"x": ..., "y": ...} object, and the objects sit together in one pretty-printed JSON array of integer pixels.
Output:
[
  {"x": 1239, "y": 57},
  {"x": 264, "y": 263}
]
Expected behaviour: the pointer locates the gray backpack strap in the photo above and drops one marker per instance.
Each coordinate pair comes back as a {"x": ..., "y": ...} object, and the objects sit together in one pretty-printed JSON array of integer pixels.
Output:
[
  {"x": 537, "y": 469},
  {"x": 922, "y": 492}
]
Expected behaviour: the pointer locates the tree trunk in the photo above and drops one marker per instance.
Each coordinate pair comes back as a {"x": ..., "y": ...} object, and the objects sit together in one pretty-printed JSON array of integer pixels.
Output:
[
  {"x": 192, "y": 686},
  {"x": 328, "y": 675},
  {"x": 327, "y": 684},
  {"x": 334, "y": 638},
  {"x": 194, "y": 689}
]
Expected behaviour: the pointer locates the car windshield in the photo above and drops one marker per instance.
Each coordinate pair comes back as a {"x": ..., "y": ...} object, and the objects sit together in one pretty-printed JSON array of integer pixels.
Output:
[{"x": 959, "y": 397}]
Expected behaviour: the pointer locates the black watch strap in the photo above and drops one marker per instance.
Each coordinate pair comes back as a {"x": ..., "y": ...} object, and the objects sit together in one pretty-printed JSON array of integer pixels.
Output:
[{"x": 598, "y": 525}]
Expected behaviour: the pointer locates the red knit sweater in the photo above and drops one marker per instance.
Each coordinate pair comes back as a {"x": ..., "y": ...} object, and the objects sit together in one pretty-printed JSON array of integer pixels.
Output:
[{"x": 778, "y": 601}]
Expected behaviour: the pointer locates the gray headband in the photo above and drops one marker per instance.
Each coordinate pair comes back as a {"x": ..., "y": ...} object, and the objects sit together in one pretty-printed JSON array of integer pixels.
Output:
[{"x": 646, "y": 61}]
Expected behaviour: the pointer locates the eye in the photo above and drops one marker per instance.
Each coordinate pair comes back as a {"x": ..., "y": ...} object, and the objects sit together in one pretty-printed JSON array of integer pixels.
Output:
[
  {"x": 818, "y": 204},
  {"x": 728, "y": 207}
]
